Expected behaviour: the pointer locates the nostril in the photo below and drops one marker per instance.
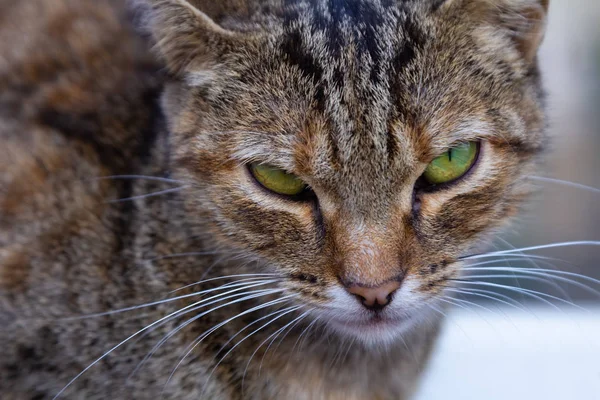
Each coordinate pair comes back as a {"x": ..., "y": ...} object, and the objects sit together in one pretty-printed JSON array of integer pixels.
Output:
[
  {"x": 374, "y": 297},
  {"x": 360, "y": 298}
]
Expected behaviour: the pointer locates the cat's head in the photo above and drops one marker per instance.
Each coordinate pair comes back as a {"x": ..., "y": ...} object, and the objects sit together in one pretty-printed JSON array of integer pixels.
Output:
[{"x": 359, "y": 148}]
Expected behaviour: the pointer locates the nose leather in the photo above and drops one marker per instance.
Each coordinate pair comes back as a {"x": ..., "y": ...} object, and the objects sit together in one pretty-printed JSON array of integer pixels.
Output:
[{"x": 375, "y": 296}]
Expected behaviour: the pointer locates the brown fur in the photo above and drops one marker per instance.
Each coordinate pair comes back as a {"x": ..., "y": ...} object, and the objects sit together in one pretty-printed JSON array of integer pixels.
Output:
[{"x": 355, "y": 97}]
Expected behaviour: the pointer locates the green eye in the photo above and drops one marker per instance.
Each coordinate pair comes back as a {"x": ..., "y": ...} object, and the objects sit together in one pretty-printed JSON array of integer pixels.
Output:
[
  {"x": 277, "y": 180},
  {"x": 452, "y": 164}
]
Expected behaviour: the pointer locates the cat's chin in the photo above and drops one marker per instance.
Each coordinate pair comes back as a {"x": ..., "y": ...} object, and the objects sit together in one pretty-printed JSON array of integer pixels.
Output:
[{"x": 373, "y": 331}]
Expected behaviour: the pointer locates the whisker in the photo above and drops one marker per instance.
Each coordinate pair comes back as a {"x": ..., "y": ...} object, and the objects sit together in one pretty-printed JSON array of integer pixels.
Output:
[
  {"x": 451, "y": 301},
  {"x": 345, "y": 356},
  {"x": 187, "y": 351},
  {"x": 246, "y": 296},
  {"x": 445, "y": 316},
  {"x": 278, "y": 344},
  {"x": 168, "y": 300},
  {"x": 546, "y": 246},
  {"x": 539, "y": 271},
  {"x": 507, "y": 259},
  {"x": 536, "y": 279},
  {"x": 476, "y": 292},
  {"x": 147, "y": 327},
  {"x": 258, "y": 276},
  {"x": 143, "y": 177},
  {"x": 304, "y": 332},
  {"x": 437, "y": 310},
  {"x": 251, "y": 324},
  {"x": 275, "y": 334},
  {"x": 459, "y": 303},
  {"x": 566, "y": 183},
  {"x": 532, "y": 259},
  {"x": 529, "y": 258},
  {"x": 230, "y": 339},
  {"x": 462, "y": 301},
  {"x": 532, "y": 293},
  {"x": 153, "y": 194},
  {"x": 295, "y": 308},
  {"x": 247, "y": 280}
]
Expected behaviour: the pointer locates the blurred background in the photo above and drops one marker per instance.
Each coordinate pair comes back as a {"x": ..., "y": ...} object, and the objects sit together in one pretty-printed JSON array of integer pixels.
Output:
[{"x": 535, "y": 351}]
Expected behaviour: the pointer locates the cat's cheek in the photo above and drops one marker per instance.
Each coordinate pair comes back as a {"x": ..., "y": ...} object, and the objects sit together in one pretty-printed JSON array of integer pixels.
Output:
[{"x": 282, "y": 233}]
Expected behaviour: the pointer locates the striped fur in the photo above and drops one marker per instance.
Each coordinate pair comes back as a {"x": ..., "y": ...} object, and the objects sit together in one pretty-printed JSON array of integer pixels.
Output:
[{"x": 355, "y": 97}]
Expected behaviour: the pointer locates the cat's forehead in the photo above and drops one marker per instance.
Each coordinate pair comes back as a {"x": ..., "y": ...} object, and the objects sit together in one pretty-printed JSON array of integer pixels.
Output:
[
  {"x": 350, "y": 44},
  {"x": 365, "y": 68}
]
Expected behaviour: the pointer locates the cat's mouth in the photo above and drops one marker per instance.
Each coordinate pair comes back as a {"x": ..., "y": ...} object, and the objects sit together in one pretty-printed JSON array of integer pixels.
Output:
[
  {"x": 373, "y": 321},
  {"x": 372, "y": 328}
]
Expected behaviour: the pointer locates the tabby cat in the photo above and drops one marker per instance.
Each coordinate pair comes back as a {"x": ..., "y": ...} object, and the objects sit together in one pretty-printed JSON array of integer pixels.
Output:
[{"x": 258, "y": 199}]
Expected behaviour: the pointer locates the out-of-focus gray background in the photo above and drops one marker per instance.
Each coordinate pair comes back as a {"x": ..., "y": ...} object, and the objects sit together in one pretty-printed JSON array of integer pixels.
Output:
[
  {"x": 570, "y": 60},
  {"x": 496, "y": 352}
]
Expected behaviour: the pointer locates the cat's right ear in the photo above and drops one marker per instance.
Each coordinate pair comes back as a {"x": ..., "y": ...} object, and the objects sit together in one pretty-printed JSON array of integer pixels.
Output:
[{"x": 186, "y": 38}]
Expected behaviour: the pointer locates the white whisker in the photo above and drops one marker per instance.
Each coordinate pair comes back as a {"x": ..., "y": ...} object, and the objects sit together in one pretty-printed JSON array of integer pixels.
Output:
[
  {"x": 532, "y": 293},
  {"x": 251, "y": 324},
  {"x": 246, "y": 296},
  {"x": 538, "y": 277},
  {"x": 278, "y": 344},
  {"x": 476, "y": 292},
  {"x": 541, "y": 247},
  {"x": 437, "y": 310},
  {"x": 295, "y": 308},
  {"x": 153, "y": 194},
  {"x": 462, "y": 301},
  {"x": 566, "y": 183},
  {"x": 539, "y": 271},
  {"x": 142, "y": 177},
  {"x": 169, "y": 300},
  {"x": 451, "y": 301},
  {"x": 178, "y": 312},
  {"x": 203, "y": 336},
  {"x": 275, "y": 334},
  {"x": 304, "y": 332},
  {"x": 257, "y": 276}
]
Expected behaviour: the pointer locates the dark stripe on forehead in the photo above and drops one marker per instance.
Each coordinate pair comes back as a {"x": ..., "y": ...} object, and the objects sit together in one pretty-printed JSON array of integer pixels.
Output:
[
  {"x": 293, "y": 49},
  {"x": 350, "y": 16},
  {"x": 414, "y": 39},
  {"x": 296, "y": 54},
  {"x": 342, "y": 21}
]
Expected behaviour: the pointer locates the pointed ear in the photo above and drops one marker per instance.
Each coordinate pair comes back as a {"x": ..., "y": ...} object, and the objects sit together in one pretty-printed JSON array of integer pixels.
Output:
[
  {"x": 187, "y": 39},
  {"x": 526, "y": 23}
]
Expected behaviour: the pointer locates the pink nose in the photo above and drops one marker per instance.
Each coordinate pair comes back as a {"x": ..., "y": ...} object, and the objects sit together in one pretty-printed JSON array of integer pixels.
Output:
[{"x": 375, "y": 297}]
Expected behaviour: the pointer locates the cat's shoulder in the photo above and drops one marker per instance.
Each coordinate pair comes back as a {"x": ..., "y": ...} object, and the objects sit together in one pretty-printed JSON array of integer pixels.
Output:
[{"x": 78, "y": 100}]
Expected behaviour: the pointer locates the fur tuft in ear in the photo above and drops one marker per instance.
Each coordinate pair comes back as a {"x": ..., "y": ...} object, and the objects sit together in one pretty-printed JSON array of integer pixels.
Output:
[
  {"x": 525, "y": 21},
  {"x": 186, "y": 38}
]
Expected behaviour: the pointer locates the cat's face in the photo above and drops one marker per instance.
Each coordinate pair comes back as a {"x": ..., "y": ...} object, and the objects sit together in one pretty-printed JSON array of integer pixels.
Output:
[{"x": 356, "y": 99}]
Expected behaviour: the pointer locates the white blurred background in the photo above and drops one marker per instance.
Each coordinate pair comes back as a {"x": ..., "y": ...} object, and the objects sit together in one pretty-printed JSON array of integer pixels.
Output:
[{"x": 541, "y": 352}]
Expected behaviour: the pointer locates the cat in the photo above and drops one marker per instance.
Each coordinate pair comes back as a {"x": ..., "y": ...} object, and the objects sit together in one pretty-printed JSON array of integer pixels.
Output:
[{"x": 260, "y": 199}]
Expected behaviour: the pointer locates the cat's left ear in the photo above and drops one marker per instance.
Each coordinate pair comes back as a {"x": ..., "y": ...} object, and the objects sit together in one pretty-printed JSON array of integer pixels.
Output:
[
  {"x": 187, "y": 39},
  {"x": 523, "y": 21},
  {"x": 529, "y": 28}
]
